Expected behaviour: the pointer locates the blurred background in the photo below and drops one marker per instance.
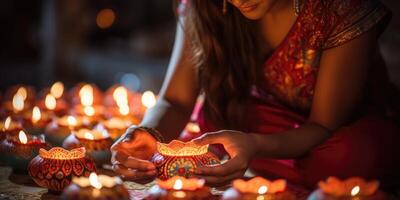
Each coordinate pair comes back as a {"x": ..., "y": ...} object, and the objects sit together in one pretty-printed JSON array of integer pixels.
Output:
[{"x": 107, "y": 42}]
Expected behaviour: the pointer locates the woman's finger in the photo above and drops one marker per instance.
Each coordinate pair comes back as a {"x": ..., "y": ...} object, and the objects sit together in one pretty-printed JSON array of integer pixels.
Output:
[
  {"x": 210, "y": 138},
  {"x": 229, "y": 167},
  {"x": 118, "y": 156},
  {"x": 139, "y": 164},
  {"x": 132, "y": 174}
]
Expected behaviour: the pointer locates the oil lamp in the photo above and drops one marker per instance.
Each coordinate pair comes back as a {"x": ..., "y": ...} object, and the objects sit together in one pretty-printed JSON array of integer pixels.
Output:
[
  {"x": 9, "y": 127},
  {"x": 96, "y": 187},
  {"x": 179, "y": 187},
  {"x": 181, "y": 158},
  {"x": 60, "y": 128},
  {"x": 87, "y": 108},
  {"x": 354, "y": 188},
  {"x": 119, "y": 106},
  {"x": 116, "y": 127},
  {"x": 97, "y": 143},
  {"x": 18, "y": 151},
  {"x": 18, "y": 94},
  {"x": 258, "y": 188},
  {"x": 55, "y": 168},
  {"x": 36, "y": 121}
]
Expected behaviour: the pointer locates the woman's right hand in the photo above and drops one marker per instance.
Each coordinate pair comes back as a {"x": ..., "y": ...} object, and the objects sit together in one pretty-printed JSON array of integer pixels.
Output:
[{"x": 131, "y": 154}]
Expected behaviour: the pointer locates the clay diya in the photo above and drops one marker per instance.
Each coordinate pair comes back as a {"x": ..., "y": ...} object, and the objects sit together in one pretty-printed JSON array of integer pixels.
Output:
[
  {"x": 55, "y": 168},
  {"x": 53, "y": 105},
  {"x": 181, "y": 159},
  {"x": 96, "y": 187},
  {"x": 258, "y": 188},
  {"x": 90, "y": 92},
  {"x": 116, "y": 127},
  {"x": 60, "y": 128},
  {"x": 17, "y": 152},
  {"x": 19, "y": 93},
  {"x": 354, "y": 188},
  {"x": 35, "y": 121},
  {"x": 9, "y": 127},
  {"x": 97, "y": 143},
  {"x": 179, "y": 187}
]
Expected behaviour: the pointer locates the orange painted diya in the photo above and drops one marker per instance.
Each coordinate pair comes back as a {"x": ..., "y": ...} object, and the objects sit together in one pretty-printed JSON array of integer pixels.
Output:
[
  {"x": 354, "y": 188},
  {"x": 258, "y": 188},
  {"x": 55, "y": 168},
  {"x": 181, "y": 159}
]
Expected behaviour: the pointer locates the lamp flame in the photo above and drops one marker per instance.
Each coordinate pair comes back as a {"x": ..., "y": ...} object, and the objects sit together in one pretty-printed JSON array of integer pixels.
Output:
[
  {"x": 120, "y": 95},
  {"x": 262, "y": 189},
  {"x": 148, "y": 99},
  {"x": 36, "y": 115},
  {"x": 50, "y": 102},
  {"x": 71, "y": 121},
  {"x": 7, "y": 123},
  {"x": 178, "y": 184},
  {"x": 22, "y": 91},
  {"x": 94, "y": 181},
  {"x": 18, "y": 102},
  {"x": 57, "y": 89},
  {"x": 22, "y": 137},
  {"x": 89, "y": 110},
  {"x": 124, "y": 109},
  {"x": 86, "y": 95},
  {"x": 89, "y": 136},
  {"x": 355, "y": 191}
]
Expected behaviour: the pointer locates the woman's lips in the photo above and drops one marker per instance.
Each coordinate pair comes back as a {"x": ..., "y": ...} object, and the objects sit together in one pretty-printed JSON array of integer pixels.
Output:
[{"x": 248, "y": 8}]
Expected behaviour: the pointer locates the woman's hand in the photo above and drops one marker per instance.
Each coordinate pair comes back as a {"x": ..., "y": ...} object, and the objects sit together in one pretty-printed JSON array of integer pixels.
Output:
[
  {"x": 240, "y": 146},
  {"x": 131, "y": 154}
]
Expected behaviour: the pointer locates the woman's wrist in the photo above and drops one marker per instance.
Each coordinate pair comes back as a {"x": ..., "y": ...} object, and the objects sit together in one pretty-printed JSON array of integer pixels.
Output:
[
  {"x": 152, "y": 131},
  {"x": 264, "y": 145}
]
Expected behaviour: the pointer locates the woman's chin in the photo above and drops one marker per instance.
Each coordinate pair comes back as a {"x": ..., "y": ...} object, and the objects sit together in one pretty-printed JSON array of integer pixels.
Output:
[{"x": 253, "y": 15}]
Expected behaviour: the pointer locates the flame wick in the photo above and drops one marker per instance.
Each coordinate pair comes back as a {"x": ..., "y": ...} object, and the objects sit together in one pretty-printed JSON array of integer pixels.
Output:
[
  {"x": 148, "y": 99},
  {"x": 57, "y": 89},
  {"x": 94, "y": 181},
  {"x": 178, "y": 184},
  {"x": 22, "y": 91},
  {"x": 22, "y": 137},
  {"x": 262, "y": 190},
  {"x": 18, "y": 102},
  {"x": 50, "y": 102},
  {"x": 355, "y": 191},
  {"x": 89, "y": 136},
  {"x": 36, "y": 115},
  {"x": 7, "y": 123},
  {"x": 86, "y": 95}
]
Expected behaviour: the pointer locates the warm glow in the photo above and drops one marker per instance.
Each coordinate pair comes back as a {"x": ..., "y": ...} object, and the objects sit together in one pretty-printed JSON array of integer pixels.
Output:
[
  {"x": 57, "y": 89},
  {"x": 22, "y": 137},
  {"x": 7, "y": 123},
  {"x": 124, "y": 109},
  {"x": 36, "y": 115},
  {"x": 62, "y": 154},
  {"x": 193, "y": 127},
  {"x": 148, "y": 99},
  {"x": 18, "y": 102},
  {"x": 120, "y": 95},
  {"x": 263, "y": 189},
  {"x": 94, "y": 181},
  {"x": 50, "y": 102},
  {"x": 86, "y": 95},
  {"x": 71, "y": 121},
  {"x": 104, "y": 180},
  {"x": 178, "y": 184},
  {"x": 355, "y": 190},
  {"x": 105, "y": 18},
  {"x": 89, "y": 136},
  {"x": 179, "y": 148},
  {"x": 89, "y": 110},
  {"x": 23, "y": 92}
]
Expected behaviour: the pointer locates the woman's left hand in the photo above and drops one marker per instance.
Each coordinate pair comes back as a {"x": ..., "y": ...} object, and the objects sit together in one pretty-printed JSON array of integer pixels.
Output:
[{"x": 240, "y": 146}]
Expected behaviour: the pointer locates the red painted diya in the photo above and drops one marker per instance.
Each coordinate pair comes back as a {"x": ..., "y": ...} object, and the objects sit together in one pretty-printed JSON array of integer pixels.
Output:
[
  {"x": 181, "y": 159},
  {"x": 179, "y": 187},
  {"x": 354, "y": 188},
  {"x": 9, "y": 128},
  {"x": 96, "y": 187},
  {"x": 258, "y": 188},
  {"x": 55, "y": 168},
  {"x": 97, "y": 143}
]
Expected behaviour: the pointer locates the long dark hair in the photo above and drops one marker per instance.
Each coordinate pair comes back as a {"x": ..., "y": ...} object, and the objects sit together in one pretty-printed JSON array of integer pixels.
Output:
[{"x": 226, "y": 53}]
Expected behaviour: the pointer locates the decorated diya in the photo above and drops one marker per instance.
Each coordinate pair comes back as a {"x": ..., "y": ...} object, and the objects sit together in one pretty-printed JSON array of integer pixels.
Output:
[
  {"x": 258, "y": 188},
  {"x": 60, "y": 128},
  {"x": 55, "y": 168},
  {"x": 27, "y": 93},
  {"x": 354, "y": 188},
  {"x": 97, "y": 143},
  {"x": 53, "y": 105},
  {"x": 179, "y": 187},
  {"x": 96, "y": 187},
  {"x": 18, "y": 151},
  {"x": 181, "y": 158},
  {"x": 9, "y": 127},
  {"x": 36, "y": 121}
]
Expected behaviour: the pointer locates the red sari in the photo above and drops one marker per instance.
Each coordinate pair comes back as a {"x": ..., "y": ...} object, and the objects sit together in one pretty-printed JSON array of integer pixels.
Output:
[{"x": 369, "y": 145}]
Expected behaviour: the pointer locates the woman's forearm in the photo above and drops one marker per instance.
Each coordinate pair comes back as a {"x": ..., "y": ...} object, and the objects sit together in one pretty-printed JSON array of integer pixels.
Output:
[
  {"x": 292, "y": 143},
  {"x": 167, "y": 118}
]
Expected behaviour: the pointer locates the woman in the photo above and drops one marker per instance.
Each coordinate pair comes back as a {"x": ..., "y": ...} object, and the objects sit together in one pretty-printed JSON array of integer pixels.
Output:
[{"x": 299, "y": 80}]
